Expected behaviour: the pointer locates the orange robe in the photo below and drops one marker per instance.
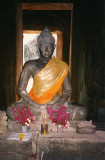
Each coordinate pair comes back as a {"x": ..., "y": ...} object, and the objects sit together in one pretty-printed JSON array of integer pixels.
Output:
[{"x": 48, "y": 81}]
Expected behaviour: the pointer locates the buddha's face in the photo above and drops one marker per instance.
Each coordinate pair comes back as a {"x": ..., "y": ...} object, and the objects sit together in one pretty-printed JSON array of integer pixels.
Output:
[{"x": 46, "y": 49}]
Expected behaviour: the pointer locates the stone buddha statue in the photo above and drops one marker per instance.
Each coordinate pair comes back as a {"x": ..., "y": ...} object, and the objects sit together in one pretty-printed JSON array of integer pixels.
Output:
[{"x": 49, "y": 75}]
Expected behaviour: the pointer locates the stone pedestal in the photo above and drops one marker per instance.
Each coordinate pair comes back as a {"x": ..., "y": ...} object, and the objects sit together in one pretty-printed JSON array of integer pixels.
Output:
[
  {"x": 71, "y": 146},
  {"x": 16, "y": 149},
  {"x": 55, "y": 146}
]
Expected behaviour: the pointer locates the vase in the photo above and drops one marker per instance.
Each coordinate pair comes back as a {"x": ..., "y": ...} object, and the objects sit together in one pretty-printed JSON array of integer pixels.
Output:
[
  {"x": 24, "y": 129},
  {"x": 44, "y": 127},
  {"x": 59, "y": 128}
]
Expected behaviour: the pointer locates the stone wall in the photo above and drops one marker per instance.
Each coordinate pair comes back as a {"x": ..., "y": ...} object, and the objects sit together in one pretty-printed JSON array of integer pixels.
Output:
[
  {"x": 86, "y": 52},
  {"x": 7, "y": 53},
  {"x": 101, "y": 89},
  {"x": 3, "y": 122}
]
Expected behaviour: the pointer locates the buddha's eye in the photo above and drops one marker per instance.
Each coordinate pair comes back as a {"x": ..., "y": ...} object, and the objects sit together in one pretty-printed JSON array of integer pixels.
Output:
[
  {"x": 49, "y": 47},
  {"x": 42, "y": 47}
]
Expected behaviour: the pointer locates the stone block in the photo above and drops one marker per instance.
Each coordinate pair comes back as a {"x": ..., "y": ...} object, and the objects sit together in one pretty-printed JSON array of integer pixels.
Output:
[
  {"x": 85, "y": 130},
  {"x": 14, "y": 150},
  {"x": 71, "y": 146},
  {"x": 12, "y": 126},
  {"x": 85, "y": 127},
  {"x": 15, "y": 156},
  {"x": 3, "y": 122}
]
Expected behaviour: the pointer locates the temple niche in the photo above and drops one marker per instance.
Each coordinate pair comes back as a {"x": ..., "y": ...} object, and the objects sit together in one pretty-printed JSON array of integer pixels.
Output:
[
  {"x": 30, "y": 50},
  {"x": 80, "y": 43}
]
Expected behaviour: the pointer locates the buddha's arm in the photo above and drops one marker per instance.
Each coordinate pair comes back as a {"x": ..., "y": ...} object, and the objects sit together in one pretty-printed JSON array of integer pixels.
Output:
[
  {"x": 24, "y": 77},
  {"x": 67, "y": 89}
]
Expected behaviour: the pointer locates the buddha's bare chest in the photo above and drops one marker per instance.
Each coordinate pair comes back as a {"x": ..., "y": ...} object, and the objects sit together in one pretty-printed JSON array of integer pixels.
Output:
[{"x": 36, "y": 69}]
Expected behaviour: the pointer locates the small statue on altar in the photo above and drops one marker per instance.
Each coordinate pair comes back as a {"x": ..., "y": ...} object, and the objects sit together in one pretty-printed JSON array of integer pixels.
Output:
[
  {"x": 85, "y": 127},
  {"x": 49, "y": 76}
]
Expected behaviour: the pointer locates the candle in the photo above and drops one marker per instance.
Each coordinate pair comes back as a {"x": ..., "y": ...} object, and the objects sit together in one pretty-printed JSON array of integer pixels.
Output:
[
  {"x": 21, "y": 136},
  {"x": 44, "y": 115},
  {"x": 43, "y": 118},
  {"x": 44, "y": 133},
  {"x": 44, "y": 127}
]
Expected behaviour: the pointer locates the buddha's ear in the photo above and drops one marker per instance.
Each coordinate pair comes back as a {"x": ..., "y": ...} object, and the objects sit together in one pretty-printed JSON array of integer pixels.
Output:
[
  {"x": 37, "y": 45},
  {"x": 37, "y": 49},
  {"x": 54, "y": 46}
]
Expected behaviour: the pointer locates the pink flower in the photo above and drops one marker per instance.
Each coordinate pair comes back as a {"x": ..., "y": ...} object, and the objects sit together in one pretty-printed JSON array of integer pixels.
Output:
[
  {"x": 59, "y": 116},
  {"x": 23, "y": 115}
]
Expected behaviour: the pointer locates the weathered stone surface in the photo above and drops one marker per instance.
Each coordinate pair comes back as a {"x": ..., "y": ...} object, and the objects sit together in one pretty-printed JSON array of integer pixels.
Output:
[
  {"x": 3, "y": 122},
  {"x": 71, "y": 146},
  {"x": 77, "y": 111},
  {"x": 15, "y": 156},
  {"x": 13, "y": 145},
  {"x": 74, "y": 123},
  {"x": 85, "y": 130},
  {"x": 14, "y": 150},
  {"x": 85, "y": 127},
  {"x": 55, "y": 146},
  {"x": 12, "y": 126},
  {"x": 51, "y": 127},
  {"x": 34, "y": 139}
]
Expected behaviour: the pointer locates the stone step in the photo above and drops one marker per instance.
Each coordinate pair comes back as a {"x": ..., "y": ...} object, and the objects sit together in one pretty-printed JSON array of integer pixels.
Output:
[
  {"x": 71, "y": 146},
  {"x": 13, "y": 149},
  {"x": 55, "y": 146}
]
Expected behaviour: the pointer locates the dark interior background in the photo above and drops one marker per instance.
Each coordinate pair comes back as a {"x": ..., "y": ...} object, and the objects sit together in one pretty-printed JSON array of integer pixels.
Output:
[{"x": 88, "y": 49}]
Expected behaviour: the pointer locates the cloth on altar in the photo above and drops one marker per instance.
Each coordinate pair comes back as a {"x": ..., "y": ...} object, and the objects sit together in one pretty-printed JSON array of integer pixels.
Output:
[{"x": 15, "y": 136}]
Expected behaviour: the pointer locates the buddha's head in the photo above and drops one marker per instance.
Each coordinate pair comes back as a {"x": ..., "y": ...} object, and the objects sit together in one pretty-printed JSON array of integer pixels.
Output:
[{"x": 46, "y": 43}]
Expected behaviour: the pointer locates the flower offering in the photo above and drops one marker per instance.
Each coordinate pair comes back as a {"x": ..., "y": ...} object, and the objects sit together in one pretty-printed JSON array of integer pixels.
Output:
[
  {"x": 59, "y": 116},
  {"x": 23, "y": 115}
]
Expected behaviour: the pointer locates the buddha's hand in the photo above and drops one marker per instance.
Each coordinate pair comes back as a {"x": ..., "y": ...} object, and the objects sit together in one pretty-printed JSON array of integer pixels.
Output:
[
  {"x": 34, "y": 104},
  {"x": 55, "y": 105}
]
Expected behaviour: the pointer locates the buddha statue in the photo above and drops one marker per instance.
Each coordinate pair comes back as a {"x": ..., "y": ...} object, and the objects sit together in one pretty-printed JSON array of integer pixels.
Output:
[{"x": 49, "y": 75}]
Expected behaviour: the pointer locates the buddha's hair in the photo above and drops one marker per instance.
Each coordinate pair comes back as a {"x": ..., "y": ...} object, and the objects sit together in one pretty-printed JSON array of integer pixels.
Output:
[{"x": 45, "y": 36}]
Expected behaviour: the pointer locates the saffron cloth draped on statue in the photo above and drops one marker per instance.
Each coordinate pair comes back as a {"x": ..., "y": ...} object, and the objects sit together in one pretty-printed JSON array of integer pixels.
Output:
[{"x": 48, "y": 81}]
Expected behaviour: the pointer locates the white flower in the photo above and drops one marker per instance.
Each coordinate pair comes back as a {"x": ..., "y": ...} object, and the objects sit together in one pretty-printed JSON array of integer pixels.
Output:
[
  {"x": 29, "y": 121},
  {"x": 27, "y": 124},
  {"x": 67, "y": 125}
]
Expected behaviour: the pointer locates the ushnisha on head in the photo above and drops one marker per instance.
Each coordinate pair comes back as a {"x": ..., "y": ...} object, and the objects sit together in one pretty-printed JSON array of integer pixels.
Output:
[
  {"x": 46, "y": 43},
  {"x": 45, "y": 37}
]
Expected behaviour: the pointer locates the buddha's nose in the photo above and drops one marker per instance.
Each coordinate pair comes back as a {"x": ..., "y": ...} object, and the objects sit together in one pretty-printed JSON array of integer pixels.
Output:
[{"x": 46, "y": 49}]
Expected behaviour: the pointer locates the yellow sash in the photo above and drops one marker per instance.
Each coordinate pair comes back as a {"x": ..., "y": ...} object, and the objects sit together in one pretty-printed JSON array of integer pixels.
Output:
[{"x": 48, "y": 81}]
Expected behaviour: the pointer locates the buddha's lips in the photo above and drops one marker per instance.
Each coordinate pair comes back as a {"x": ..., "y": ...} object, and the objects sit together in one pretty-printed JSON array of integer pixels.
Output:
[{"x": 46, "y": 54}]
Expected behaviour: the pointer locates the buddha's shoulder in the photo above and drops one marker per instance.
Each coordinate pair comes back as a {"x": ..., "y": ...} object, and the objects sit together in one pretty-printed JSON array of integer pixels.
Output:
[{"x": 31, "y": 63}]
